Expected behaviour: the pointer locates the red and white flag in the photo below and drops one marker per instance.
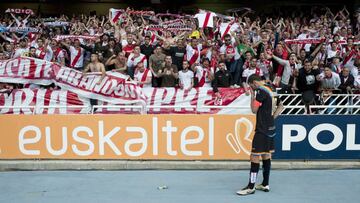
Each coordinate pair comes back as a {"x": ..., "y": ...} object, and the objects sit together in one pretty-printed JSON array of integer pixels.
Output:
[
  {"x": 226, "y": 28},
  {"x": 115, "y": 14},
  {"x": 205, "y": 19}
]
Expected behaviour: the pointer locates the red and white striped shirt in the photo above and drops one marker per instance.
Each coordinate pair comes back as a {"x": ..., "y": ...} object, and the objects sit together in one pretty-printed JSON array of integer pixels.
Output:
[
  {"x": 58, "y": 55},
  {"x": 76, "y": 57},
  {"x": 44, "y": 53},
  {"x": 133, "y": 61},
  {"x": 193, "y": 55}
]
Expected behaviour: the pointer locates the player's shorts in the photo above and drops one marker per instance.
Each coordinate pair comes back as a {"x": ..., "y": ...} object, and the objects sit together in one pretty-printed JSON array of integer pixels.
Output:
[{"x": 262, "y": 144}]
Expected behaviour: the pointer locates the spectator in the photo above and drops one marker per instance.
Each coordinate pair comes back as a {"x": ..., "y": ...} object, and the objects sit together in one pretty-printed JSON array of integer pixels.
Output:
[
  {"x": 43, "y": 50},
  {"x": 333, "y": 51},
  {"x": 76, "y": 54},
  {"x": 155, "y": 64},
  {"x": 95, "y": 66},
  {"x": 143, "y": 75},
  {"x": 222, "y": 78},
  {"x": 129, "y": 44},
  {"x": 32, "y": 52},
  {"x": 22, "y": 49},
  {"x": 102, "y": 47},
  {"x": 290, "y": 67},
  {"x": 118, "y": 63},
  {"x": 308, "y": 83},
  {"x": 186, "y": 77},
  {"x": 177, "y": 53},
  {"x": 146, "y": 48},
  {"x": 330, "y": 81},
  {"x": 347, "y": 81},
  {"x": 253, "y": 69},
  {"x": 169, "y": 73},
  {"x": 193, "y": 51},
  {"x": 335, "y": 64},
  {"x": 229, "y": 53},
  {"x": 135, "y": 58},
  {"x": 203, "y": 73},
  {"x": 58, "y": 53},
  {"x": 111, "y": 49},
  {"x": 265, "y": 66}
]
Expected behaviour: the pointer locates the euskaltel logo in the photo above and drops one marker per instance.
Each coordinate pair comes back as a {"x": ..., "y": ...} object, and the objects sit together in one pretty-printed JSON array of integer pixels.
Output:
[{"x": 240, "y": 140}]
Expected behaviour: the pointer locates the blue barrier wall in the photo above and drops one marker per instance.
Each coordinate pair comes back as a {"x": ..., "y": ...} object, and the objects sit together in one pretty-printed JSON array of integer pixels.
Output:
[{"x": 318, "y": 137}]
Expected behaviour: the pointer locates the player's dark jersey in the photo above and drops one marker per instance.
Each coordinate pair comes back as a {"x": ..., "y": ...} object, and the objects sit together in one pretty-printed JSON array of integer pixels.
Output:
[{"x": 264, "y": 117}]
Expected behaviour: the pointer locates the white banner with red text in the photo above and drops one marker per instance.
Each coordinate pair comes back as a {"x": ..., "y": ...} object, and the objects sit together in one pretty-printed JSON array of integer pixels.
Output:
[
  {"x": 113, "y": 88},
  {"x": 194, "y": 101}
]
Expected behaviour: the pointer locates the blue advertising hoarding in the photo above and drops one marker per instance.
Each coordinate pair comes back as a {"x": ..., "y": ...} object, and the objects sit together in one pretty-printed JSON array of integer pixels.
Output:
[{"x": 317, "y": 137}]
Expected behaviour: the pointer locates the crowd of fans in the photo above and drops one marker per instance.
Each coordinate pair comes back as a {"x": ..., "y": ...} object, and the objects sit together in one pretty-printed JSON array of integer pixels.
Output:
[{"x": 202, "y": 55}]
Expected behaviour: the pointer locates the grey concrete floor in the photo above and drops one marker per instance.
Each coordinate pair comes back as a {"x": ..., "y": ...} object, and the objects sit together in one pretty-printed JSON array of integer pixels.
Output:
[{"x": 183, "y": 186}]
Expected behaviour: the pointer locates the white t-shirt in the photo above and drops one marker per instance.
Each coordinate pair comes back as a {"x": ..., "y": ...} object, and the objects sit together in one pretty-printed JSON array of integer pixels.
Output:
[
  {"x": 20, "y": 52},
  {"x": 247, "y": 72},
  {"x": 331, "y": 53},
  {"x": 138, "y": 76},
  {"x": 330, "y": 83},
  {"x": 185, "y": 78}
]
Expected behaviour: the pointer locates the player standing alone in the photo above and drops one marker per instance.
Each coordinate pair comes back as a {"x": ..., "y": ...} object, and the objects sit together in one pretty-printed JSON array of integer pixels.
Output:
[{"x": 267, "y": 107}]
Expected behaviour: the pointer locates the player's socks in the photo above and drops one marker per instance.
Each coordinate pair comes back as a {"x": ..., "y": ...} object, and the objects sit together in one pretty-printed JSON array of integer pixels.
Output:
[
  {"x": 253, "y": 174},
  {"x": 266, "y": 171}
]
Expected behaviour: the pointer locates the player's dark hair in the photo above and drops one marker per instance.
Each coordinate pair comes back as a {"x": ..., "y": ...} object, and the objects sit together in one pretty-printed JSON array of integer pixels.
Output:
[{"x": 253, "y": 78}]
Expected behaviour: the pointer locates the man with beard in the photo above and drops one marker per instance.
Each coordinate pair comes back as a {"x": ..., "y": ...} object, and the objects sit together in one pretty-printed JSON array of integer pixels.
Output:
[
  {"x": 229, "y": 53},
  {"x": 169, "y": 73},
  {"x": 308, "y": 82},
  {"x": 222, "y": 78}
]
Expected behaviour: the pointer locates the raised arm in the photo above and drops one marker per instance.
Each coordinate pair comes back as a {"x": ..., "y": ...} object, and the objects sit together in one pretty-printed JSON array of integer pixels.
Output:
[
  {"x": 65, "y": 44},
  {"x": 110, "y": 61}
]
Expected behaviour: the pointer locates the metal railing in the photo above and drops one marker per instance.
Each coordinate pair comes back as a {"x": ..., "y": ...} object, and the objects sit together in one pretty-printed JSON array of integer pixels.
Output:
[{"x": 331, "y": 104}]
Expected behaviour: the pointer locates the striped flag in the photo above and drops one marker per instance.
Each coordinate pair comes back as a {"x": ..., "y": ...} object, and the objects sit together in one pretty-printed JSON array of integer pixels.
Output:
[{"x": 115, "y": 14}]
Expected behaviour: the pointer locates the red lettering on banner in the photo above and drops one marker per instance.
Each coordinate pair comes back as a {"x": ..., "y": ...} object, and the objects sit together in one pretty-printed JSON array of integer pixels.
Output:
[
  {"x": 183, "y": 97},
  {"x": 39, "y": 67},
  {"x": 109, "y": 86},
  {"x": 97, "y": 87},
  {"x": 11, "y": 65},
  {"x": 203, "y": 97},
  {"x": 197, "y": 97},
  {"x": 86, "y": 82},
  {"x": 119, "y": 90}
]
